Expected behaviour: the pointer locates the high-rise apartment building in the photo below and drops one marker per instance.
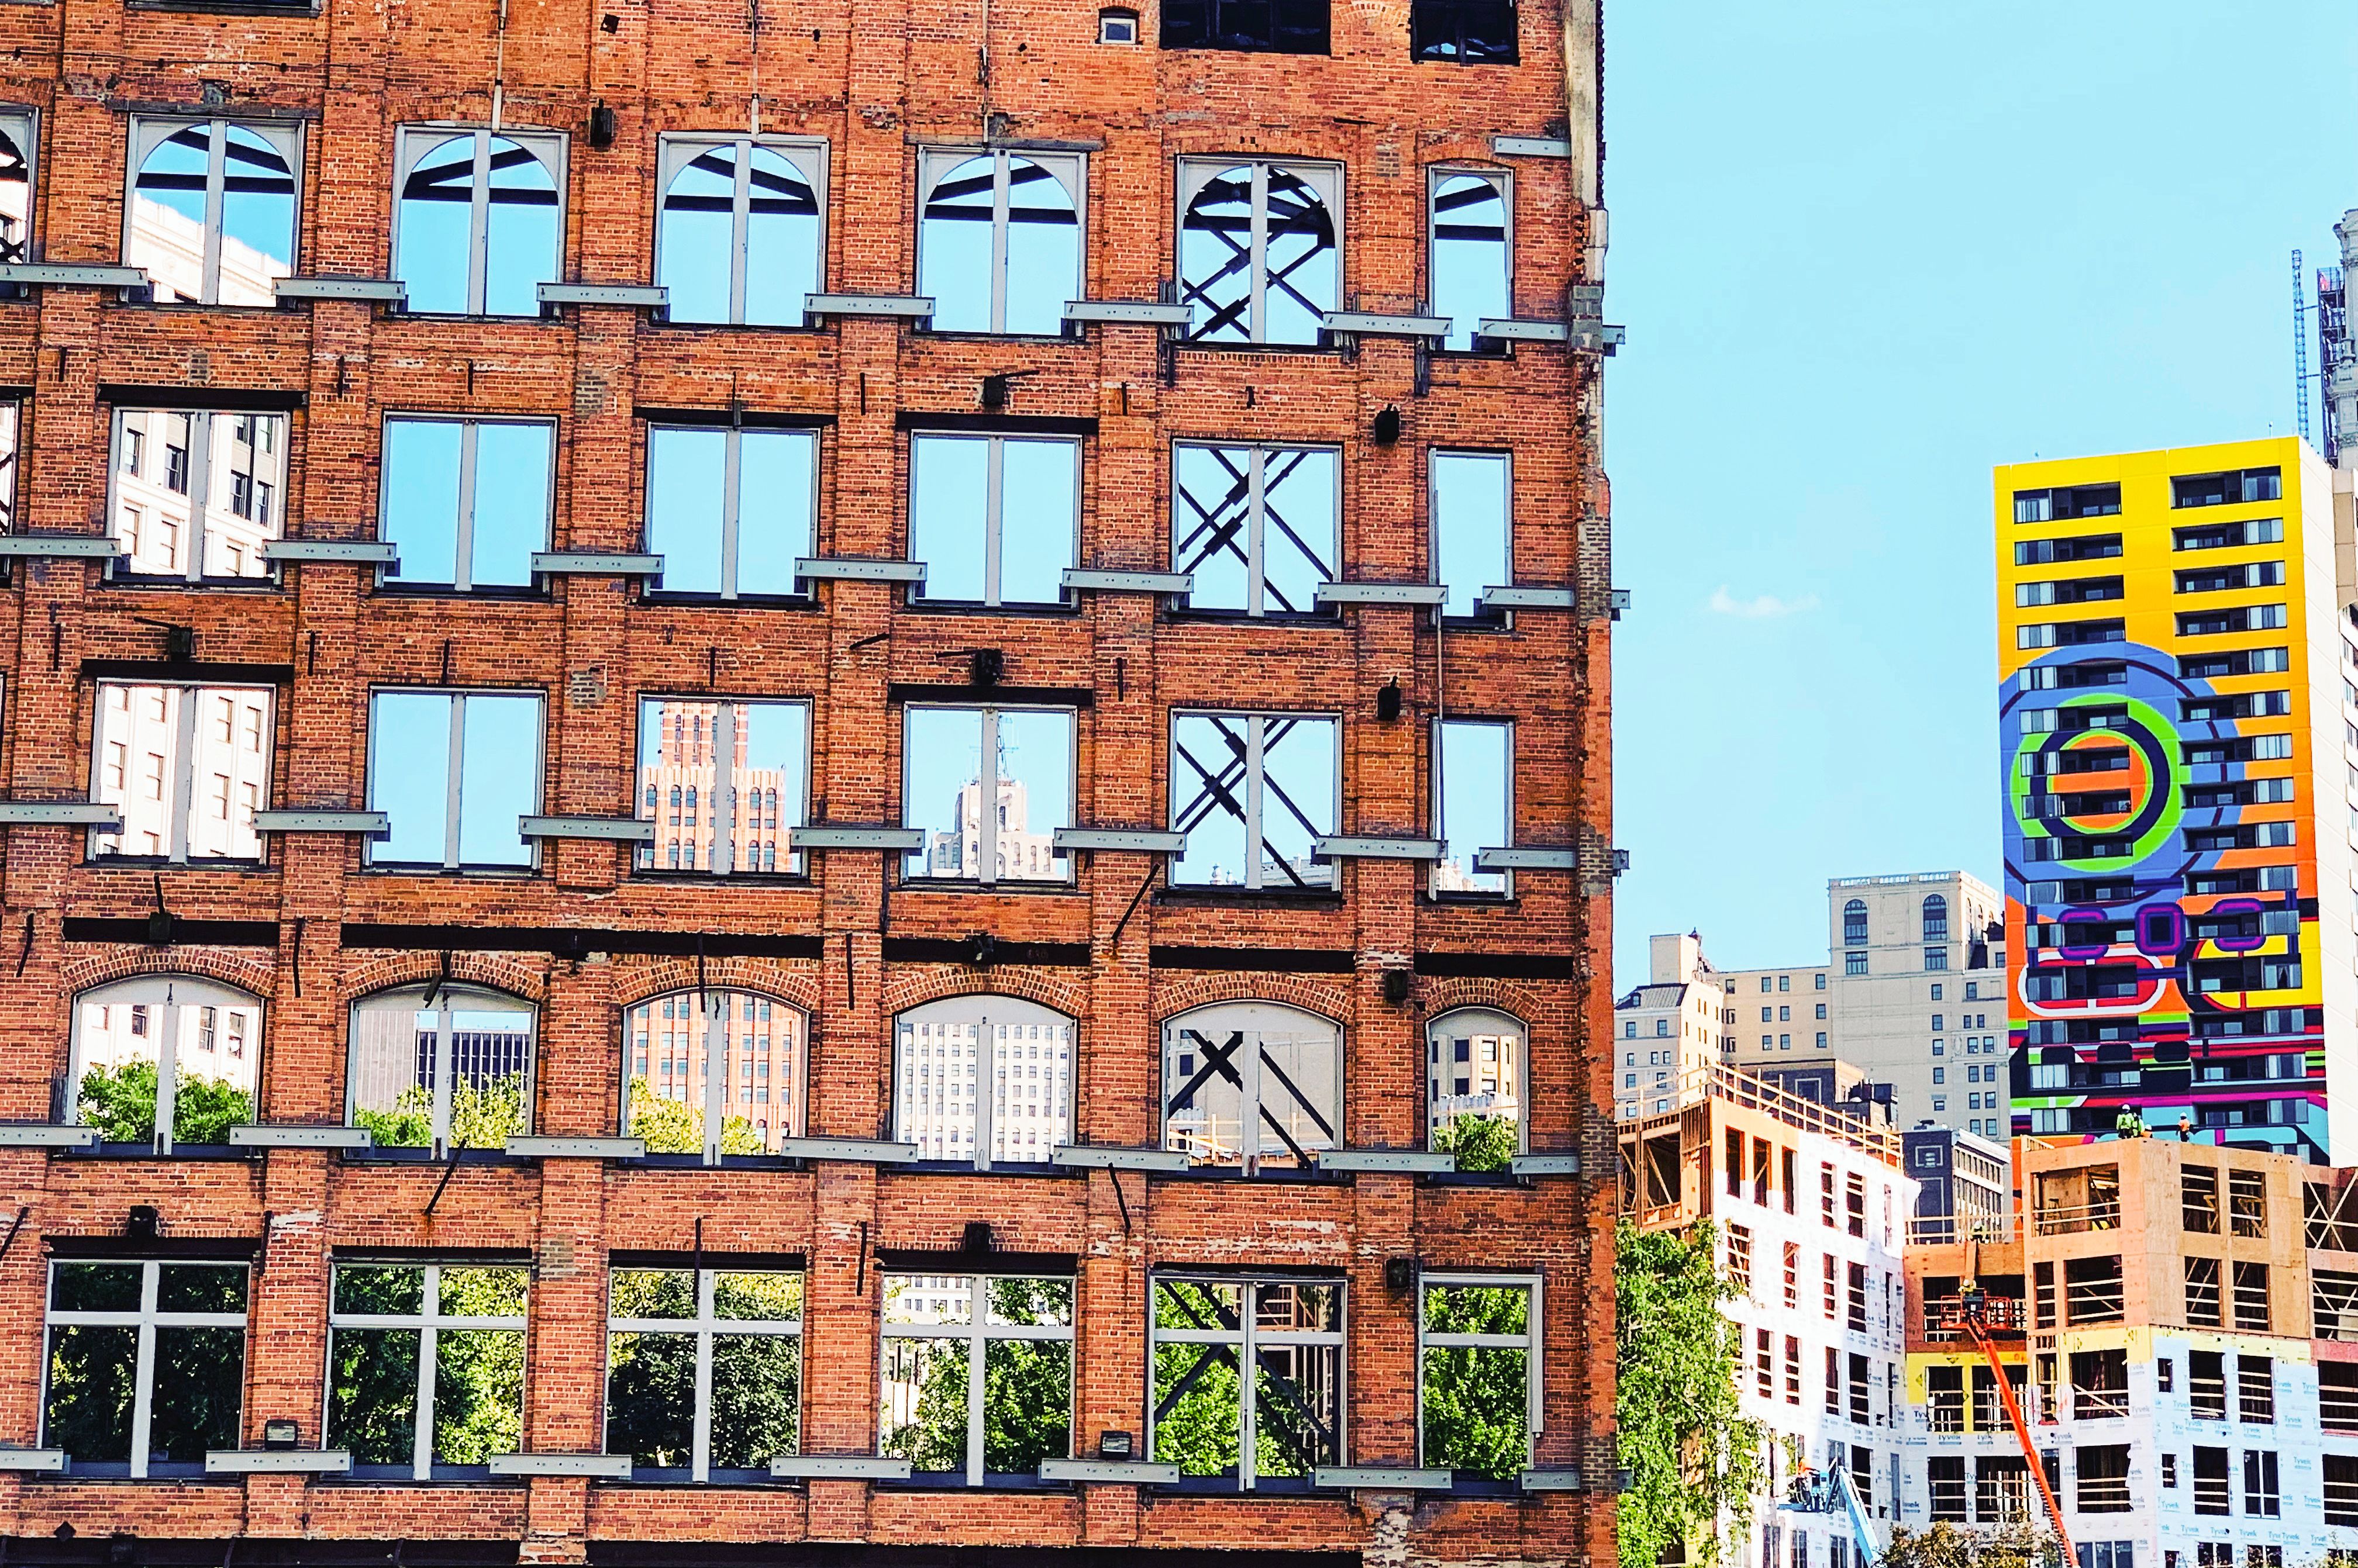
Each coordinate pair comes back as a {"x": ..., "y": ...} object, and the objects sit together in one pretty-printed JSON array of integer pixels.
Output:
[
  {"x": 2176, "y": 716},
  {"x": 792, "y": 784}
]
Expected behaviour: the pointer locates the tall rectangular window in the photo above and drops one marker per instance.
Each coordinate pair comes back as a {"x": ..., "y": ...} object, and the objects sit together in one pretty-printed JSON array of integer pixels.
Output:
[
  {"x": 1472, "y": 258},
  {"x": 185, "y": 766},
  {"x": 704, "y": 1371},
  {"x": 2202, "y": 1293},
  {"x": 1257, "y": 527},
  {"x": 2212, "y": 1495},
  {"x": 1253, "y": 792},
  {"x": 978, "y": 1376},
  {"x": 1472, "y": 532},
  {"x": 455, "y": 772},
  {"x": 1261, "y": 258},
  {"x": 211, "y": 216},
  {"x": 2247, "y": 1203},
  {"x": 995, "y": 519},
  {"x": 1290, "y": 1331},
  {"x": 726, "y": 784},
  {"x": 1473, "y": 803},
  {"x": 1011, "y": 836},
  {"x": 740, "y": 237},
  {"x": 466, "y": 501},
  {"x": 730, "y": 510},
  {"x": 2262, "y": 1496},
  {"x": 2199, "y": 1200},
  {"x": 2251, "y": 1296},
  {"x": 1477, "y": 1372},
  {"x": 146, "y": 1369},
  {"x": 426, "y": 1367},
  {"x": 17, "y": 148},
  {"x": 479, "y": 218},
  {"x": 195, "y": 494},
  {"x": 1467, "y": 32}
]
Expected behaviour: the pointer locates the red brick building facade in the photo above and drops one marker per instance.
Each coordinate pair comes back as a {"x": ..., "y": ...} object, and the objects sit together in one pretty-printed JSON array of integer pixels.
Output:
[{"x": 1258, "y": 1181}]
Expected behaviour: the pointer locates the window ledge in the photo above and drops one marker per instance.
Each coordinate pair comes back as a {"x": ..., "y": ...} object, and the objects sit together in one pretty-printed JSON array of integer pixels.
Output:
[
  {"x": 539, "y": 1147},
  {"x": 1114, "y": 1472},
  {"x": 894, "y": 306},
  {"x": 1415, "y": 1161},
  {"x": 838, "y": 1467},
  {"x": 1344, "y": 846},
  {"x": 857, "y": 1150},
  {"x": 1089, "y": 578},
  {"x": 1382, "y": 1477},
  {"x": 854, "y": 836},
  {"x": 630, "y": 295},
  {"x": 1527, "y": 858},
  {"x": 299, "y": 820},
  {"x": 1108, "y": 1157},
  {"x": 1128, "y": 313},
  {"x": 595, "y": 563},
  {"x": 1141, "y": 840},
  {"x": 60, "y": 546},
  {"x": 1564, "y": 1164},
  {"x": 278, "y": 1462},
  {"x": 61, "y": 814},
  {"x": 370, "y": 552},
  {"x": 298, "y": 1135},
  {"x": 1422, "y": 594},
  {"x": 1528, "y": 599},
  {"x": 382, "y": 290},
  {"x": 619, "y": 830},
  {"x": 20, "y": 1461},
  {"x": 857, "y": 568},
  {"x": 73, "y": 275},
  {"x": 601, "y": 1467},
  {"x": 1371, "y": 324}
]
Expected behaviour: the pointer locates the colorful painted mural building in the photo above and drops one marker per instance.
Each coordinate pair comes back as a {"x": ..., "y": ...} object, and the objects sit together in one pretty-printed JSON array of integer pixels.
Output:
[{"x": 2177, "y": 718}]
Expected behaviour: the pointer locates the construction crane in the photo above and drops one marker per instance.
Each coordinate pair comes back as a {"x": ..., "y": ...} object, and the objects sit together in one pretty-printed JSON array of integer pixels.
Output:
[
  {"x": 1977, "y": 1314},
  {"x": 2299, "y": 347}
]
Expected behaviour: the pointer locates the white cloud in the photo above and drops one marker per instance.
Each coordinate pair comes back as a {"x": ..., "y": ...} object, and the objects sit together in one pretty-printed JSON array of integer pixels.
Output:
[{"x": 1766, "y": 607}]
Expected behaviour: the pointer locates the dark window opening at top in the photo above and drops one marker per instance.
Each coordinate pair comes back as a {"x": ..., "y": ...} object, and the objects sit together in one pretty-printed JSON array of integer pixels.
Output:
[
  {"x": 1272, "y": 26},
  {"x": 1469, "y": 32}
]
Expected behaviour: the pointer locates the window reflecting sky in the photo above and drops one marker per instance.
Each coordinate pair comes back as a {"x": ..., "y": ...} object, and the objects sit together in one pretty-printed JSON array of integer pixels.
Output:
[
  {"x": 409, "y": 775},
  {"x": 698, "y": 254},
  {"x": 1470, "y": 254},
  {"x": 1475, "y": 791},
  {"x": 1470, "y": 526}
]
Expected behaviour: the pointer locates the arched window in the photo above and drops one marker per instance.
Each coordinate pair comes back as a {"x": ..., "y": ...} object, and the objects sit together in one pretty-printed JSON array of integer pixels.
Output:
[
  {"x": 213, "y": 209},
  {"x": 691, "y": 1112},
  {"x": 1855, "y": 923},
  {"x": 1473, "y": 1073},
  {"x": 164, "y": 1059},
  {"x": 1251, "y": 1084},
  {"x": 999, "y": 248},
  {"x": 480, "y": 219},
  {"x": 1258, "y": 256},
  {"x": 1936, "y": 918},
  {"x": 738, "y": 239},
  {"x": 440, "y": 1067},
  {"x": 983, "y": 1078}
]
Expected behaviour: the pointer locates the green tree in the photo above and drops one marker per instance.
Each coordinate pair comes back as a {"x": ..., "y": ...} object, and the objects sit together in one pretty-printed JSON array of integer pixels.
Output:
[
  {"x": 121, "y": 1103},
  {"x": 675, "y": 1127},
  {"x": 1027, "y": 1387},
  {"x": 2018, "y": 1545},
  {"x": 1693, "y": 1458},
  {"x": 1480, "y": 1142},
  {"x": 482, "y": 1115},
  {"x": 1478, "y": 1398}
]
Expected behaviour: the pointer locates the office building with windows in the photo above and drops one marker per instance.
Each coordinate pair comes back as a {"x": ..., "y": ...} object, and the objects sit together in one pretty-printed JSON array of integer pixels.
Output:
[
  {"x": 2177, "y": 718},
  {"x": 2179, "y": 1324},
  {"x": 769, "y": 771},
  {"x": 1809, "y": 1209}
]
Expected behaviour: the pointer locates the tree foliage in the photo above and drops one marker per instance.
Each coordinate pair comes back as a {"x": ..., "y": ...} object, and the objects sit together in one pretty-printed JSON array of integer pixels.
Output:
[
  {"x": 675, "y": 1127},
  {"x": 1027, "y": 1387},
  {"x": 1480, "y": 1142},
  {"x": 483, "y": 1114},
  {"x": 121, "y": 1103},
  {"x": 2021, "y": 1544},
  {"x": 477, "y": 1373},
  {"x": 1692, "y": 1457}
]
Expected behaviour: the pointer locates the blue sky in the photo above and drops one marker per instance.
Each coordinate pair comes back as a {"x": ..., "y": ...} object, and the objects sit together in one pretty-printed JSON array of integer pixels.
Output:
[{"x": 1866, "y": 251}]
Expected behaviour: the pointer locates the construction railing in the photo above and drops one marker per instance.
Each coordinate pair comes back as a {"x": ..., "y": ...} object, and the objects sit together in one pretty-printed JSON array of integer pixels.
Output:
[{"x": 1719, "y": 1081}]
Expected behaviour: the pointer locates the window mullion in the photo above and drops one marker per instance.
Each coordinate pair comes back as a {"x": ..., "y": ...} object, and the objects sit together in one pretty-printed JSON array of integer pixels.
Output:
[
  {"x": 167, "y": 1070},
  {"x": 184, "y": 780},
  {"x": 143, "y": 1373},
  {"x": 479, "y": 229},
  {"x": 452, "y": 799},
  {"x": 741, "y": 200},
  {"x": 421, "y": 1446},
  {"x": 1257, "y": 268},
  {"x": 463, "y": 527},
  {"x": 1248, "y": 1357},
  {"x": 723, "y": 858},
  {"x": 716, "y": 1051},
  {"x": 998, "y": 223},
  {"x": 733, "y": 473},
  {"x": 987, "y": 839},
  {"x": 201, "y": 485},
  {"x": 444, "y": 1064},
  {"x": 700, "y": 1444},
  {"x": 1248, "y": 1133},
  {"x": 216, "y": 152},
  {"x": 1255, "y": 551},
  {"x": 1254, "y": 741},
  {"x": 994, "y": 504},
  {"x": 985, "y": 1062},
  {"x": 974, "y": 1381}
]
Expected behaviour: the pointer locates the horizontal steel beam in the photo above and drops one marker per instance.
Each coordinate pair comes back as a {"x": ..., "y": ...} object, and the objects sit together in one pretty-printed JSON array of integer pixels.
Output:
[
  {"x": 1530, "y": 146},
  {"x": 1142, "y": 841},
  {"x": 1527, "y": 858},
  {"x": 1131, "y": 1471},
  {"x": 1370, "y": 324},
  {"x": 857, "y": 568},
  {"x": 1418, "y": 1160},
  {"x": 369, "y": 552},
  {"x": 1424, "y": 594},
  {"x": 1565, "y": 1164},
  {"x": 1515, "y": 329},
  {"x": 637, "y": 296},
  {"x": 838, "y": 1467},
  {"x": 1129, "y": 312},
  {"x": 298, "y": 1135},
  {"x": 621, "y": 829},
  {"x": 300, "y": 819},
  {"x": 855, "y": 836},
  {"x": 60, "y": 546},
  {"x": 1346, "y": 847},
  {"x": 61, "y": 814},
  {"x": 1109, "y": 1157},
  {"x": 1514, "y": 598},
  {"x": 853, "y": 1151},
  {"x": 382, "y": 290},
  {"x": 599, "y": 1467},
  {"x": 596, "y": 563},
  {"x": 73, "y": 274},
  {"x": 278, "y": 1462},
  {"x": 1382, "y": 1477},
  {"x": 900, "y": 306},
  {"x": 40, "y": 1135},
  {"x": 534, "y": 1147},
  {"x": 1128, "y": 582}
]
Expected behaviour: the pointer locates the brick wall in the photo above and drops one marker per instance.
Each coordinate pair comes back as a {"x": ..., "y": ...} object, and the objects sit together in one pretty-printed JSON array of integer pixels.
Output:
[{"x": 874, "y": 80}]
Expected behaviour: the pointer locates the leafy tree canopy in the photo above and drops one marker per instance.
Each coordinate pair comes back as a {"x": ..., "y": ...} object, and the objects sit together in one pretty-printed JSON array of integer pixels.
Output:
[
  {"x": 121, "y": 1103},
  {"x": 675, "y": 1127},
  {"x": 1480, "y": 1142},
  {"x": 2018, "y": 1545}
]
